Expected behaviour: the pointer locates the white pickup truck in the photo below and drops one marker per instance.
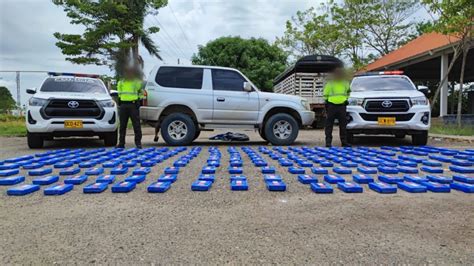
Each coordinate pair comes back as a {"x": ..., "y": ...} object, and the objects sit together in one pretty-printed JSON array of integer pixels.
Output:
[{"x": 183, "y": 100}]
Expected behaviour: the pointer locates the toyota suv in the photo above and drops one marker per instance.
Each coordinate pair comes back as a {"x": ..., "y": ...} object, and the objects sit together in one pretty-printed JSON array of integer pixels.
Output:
[
  {"x": 388, "y": 103},
  {"x": 183, "y": 100},
  {"x": 68, "y": 105}
]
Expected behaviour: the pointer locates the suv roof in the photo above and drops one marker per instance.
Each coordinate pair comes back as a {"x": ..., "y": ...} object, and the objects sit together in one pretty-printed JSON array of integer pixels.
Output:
[{"x": 198, "y": 66}]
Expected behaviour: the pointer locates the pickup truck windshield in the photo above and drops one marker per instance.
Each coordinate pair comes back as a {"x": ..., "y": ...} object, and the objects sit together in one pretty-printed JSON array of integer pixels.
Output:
[
  {"x": 71, "y": 84},
  {"x": 381, "y": 84}
]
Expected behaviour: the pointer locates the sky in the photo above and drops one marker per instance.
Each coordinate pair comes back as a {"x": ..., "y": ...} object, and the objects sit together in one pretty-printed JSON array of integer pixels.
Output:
[{"x": 27, "y": 26}]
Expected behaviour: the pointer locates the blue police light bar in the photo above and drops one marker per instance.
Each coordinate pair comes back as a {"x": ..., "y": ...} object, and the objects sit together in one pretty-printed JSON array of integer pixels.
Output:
[
  {"x": 73, "y": 74},
  {"x": 392, "y": 72}
]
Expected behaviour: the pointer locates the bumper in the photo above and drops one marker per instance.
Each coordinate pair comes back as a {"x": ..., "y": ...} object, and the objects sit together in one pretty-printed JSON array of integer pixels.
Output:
[
  {"x": 360, "y": 121},
  {"x": 150, "y": 113},
  {"x": 35, "y": 123},
  {"x": 307, "y": 117}
]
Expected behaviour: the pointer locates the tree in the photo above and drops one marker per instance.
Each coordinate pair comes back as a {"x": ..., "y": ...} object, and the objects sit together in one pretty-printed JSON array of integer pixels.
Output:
[
  {"x": 256, "y": 58},
  {"x": 6, "y": 100},
  {"x": 455, "y": 18},
  {"x": 113, "y": 31}
]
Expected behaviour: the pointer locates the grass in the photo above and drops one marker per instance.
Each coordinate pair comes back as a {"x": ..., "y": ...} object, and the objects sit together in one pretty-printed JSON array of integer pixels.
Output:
[
  {"x": 12, "y": 126},
  {"x": 452, "y": 130}
]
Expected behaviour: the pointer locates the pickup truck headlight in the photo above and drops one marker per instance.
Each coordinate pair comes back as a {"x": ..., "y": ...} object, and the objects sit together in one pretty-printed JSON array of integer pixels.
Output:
[
  {"x": 419, "y": 101},
  {"x": 36, "y": 101},
  {"x": 355, "y": 101},
  {"x": 107, "y": 103},
  {"x": 305, "y": 104}
]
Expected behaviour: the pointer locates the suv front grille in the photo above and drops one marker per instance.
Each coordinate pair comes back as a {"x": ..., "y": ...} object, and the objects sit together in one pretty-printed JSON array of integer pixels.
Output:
[
  {"x": 398, "y": 117},
  {"x": 61, "y": 108},
  {"x": 387, "y": 105}
]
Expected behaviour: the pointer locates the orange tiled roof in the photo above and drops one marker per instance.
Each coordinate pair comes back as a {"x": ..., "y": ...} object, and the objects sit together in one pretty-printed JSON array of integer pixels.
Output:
[{"x": 418, "y": 46}]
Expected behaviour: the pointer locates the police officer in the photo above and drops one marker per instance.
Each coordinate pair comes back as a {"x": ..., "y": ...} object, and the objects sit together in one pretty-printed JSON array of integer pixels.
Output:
[
  {"x": 336, "y": 93},
  {"x": 130, "y": 93}
]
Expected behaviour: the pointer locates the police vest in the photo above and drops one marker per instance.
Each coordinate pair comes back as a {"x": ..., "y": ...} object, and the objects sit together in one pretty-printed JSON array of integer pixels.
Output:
[
  {"x": 129, "y": 90},
  {"x": 336, "y": 92}
]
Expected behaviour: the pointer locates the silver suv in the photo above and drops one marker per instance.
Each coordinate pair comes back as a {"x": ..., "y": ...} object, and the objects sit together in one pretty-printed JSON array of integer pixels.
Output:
[{"x": 183, "y": 100}]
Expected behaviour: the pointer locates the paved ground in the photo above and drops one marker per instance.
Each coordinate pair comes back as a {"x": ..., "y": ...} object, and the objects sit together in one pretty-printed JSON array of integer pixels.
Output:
[{"x": 225, "y": 227}]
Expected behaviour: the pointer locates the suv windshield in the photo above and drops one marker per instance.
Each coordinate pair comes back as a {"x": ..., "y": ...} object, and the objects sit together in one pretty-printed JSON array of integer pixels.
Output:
[
  {"x": 71, "y": 84},
  {"x": 381, "y": 84}
]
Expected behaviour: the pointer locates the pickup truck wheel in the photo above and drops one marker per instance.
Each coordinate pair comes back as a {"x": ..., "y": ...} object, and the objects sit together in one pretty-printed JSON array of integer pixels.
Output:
[
  {"x": 261, "y": 132},
  {"x": 35, "y": 141},
  {"x": 196, "y": 135},
  {"x": 281, "y": 129},
  {"x": 110, "y": 139},
  {"x": 178, "y": 129},
  {"x": 420, "y": 138}
]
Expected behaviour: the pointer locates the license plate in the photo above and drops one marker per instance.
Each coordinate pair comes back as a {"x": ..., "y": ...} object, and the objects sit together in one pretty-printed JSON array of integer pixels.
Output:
[
  {"x": 73, "y": 124},
  {"x": 386, "y": 121}
]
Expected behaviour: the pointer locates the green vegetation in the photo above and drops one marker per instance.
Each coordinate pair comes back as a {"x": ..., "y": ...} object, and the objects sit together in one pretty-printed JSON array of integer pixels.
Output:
[
  {"x": 6, "y": 100},
  {"x": 452, "y": 130},
  {"x": 256, "y": 58},
  {"x": 12, "y": 126}
]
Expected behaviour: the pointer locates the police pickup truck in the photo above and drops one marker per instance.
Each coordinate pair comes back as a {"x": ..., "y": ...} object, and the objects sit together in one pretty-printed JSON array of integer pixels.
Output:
[
  {"x": 69, "y": 104},
  {"x": 388, "y": 103}
]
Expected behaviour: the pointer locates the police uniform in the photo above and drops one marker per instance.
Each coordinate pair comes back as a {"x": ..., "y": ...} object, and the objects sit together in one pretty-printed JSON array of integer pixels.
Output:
[
  {"x": 336, "y": 94},
  {"x": 130, "y": 94}
]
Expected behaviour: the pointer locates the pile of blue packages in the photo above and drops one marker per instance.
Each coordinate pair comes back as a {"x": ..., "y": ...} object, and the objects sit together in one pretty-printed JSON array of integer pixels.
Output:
[
  {"x": 59, "y": 189},
  {"x": 159, "y": 187},
  {"x": 22, "y": 190},
  {"x": 383, "y": 188},
  {"x": 123, "y": 187}
]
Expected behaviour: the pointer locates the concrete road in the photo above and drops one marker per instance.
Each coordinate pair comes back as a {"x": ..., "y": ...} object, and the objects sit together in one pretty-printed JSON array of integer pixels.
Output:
[{"x": 225, "y": 227}]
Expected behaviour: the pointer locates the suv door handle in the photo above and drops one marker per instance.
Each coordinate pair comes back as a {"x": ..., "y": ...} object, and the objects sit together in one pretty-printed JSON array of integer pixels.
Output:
[{"x": 220, "y": 99}]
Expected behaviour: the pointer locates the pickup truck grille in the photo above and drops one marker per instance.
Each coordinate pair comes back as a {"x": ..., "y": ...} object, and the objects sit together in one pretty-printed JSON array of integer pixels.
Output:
[
  {"x": 387, "y": 105},
  {"x": 62, "y": 108},
  {"x": 398, "y": 117}
]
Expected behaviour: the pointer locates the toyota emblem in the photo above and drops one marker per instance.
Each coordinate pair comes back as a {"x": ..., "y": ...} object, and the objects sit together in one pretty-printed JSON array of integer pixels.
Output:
[
  {"x": 73, "y": 104},
  {"x": 387, "y": 104}
]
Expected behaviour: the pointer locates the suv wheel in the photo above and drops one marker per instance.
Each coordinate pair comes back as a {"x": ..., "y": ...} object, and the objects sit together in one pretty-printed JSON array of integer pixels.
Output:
[
  {"x": 110, "y": 139},
  {"x": 196, "y": 135},
  {"x": 420, "y": 138},
  {"x": 178, "y": 129},
  {"x": 281, "y": 129},
  {"x": 35, "y": 141},
  {"x": 261, "y": 132}
]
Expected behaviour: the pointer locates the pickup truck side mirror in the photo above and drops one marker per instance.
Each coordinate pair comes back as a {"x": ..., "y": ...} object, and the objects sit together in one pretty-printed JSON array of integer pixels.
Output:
[
  {"x": 31, "y": 91},
  {"x": 423, "y": 89},
  {"x": 113, "y": 93},
  {"x": 247, "y": 86}
]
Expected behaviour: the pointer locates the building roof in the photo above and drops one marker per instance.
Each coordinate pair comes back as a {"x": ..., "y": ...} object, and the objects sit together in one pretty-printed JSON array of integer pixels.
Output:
[{"x": 425, "y": 44}]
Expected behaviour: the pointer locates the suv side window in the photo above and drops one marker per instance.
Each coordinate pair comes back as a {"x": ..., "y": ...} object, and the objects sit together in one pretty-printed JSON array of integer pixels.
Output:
[
  {"x": 227, "y": 80},
  {"x": 180, "y": 77}
]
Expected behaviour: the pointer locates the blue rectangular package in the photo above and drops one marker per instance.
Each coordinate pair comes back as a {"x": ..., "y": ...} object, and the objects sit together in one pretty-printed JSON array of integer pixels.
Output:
[
  {"x": 207, "y": 177},
  {"x": 119, "y": 170},
  {"x": 237, "y": 177},
  {"x": 333, "y": 179},
  {"x": 319, "y": 170},
  {"x": 239, "y": 185},
  {"x": 307, "y": 179},
  {"x": 123, "y": 187},
  {"x": 362, "y": 178},
  {"x": 436, "y": 187},
  {"x": 440, "y": 179},
  {"x": 296, "y": 170},
  {"x": 70, "y": 171},
  {"x": 45, "y": 180},
  {"x": 22, "y": 190},
  {"x": 260, "y": 163},
  {"x": 433, "y": 170},
  {"x": 236, "y": 163},
  {"x": 109, "y": 179},
  {"x": 388, "y": 170},
  {"x": 201, "y": 185},
  {"x": 94, "y": 171},
  {"x": 349, "y": 164},
  {"x": 159, "y": 187},
  {"x": 167, "y": 178},
  {"x": 272, "y": 177},
  {"x": 148, "y": 163},
  {"x": 412, "y": 187},
  {"x": 111, "y": 164},
  {"x": 342, "y": 170},
  {"x": 11, "y": 180},
  {"x": 32, "y": 166},
  {"x": 208, "y": 170},
  {"x": 135, "y": 178},
  {"x": 171, "y": 170},
  {"x": 350, "y": 187},
  {"x": 366, "y": 170},
  {"x": 285, "y": 163},
  {"x": 58, "y": 189},
  {"x": 276, "y": 185},
  {"x": 141, "y": 171},
  {"x": 95, "y": 188},
  {"x": 415, "y": 178},
  {"x": 408, "y": 170},
  {"x": 235, "y": 170},
  {"x": 466, "y": 188},
  {"x": 75, "y": 180},
  {"x": 9, "y": 172},
  {"x": 63, "y": 164},
  {"x": 268, "y": 170},
  {"x": 129, "y": 164},
  {"x": 305, "y": 164},
  {"x": 8, "y": 166},
  {"x": 461, "y": 169},
  {"x": 323, "y": 188},
  {"x": 87, "y": 164},
  {"x": 382, "y": 188},
  {"x": 390, "y": 179},
  {"x": 180, "y": 163},
  {"x": 464, "y": 178}
]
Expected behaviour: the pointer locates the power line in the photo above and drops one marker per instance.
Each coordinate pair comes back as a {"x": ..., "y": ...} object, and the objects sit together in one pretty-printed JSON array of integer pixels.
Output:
[
  {"x": 170, "y": 38},
  {"x": 181, "y": 28}
]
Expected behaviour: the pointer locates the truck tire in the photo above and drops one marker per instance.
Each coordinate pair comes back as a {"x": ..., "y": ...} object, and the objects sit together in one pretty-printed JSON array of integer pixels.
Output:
[
  {"x": 261, "y": 132},
  {"x": 178, "y": 129},
  {"x": 281, "y": 129},
  {"x": 196, "y": 135},
  {"x": 420, "y": 138},
  {"x": 35, "y": 141},
  {"x": 110, "y": 139}
]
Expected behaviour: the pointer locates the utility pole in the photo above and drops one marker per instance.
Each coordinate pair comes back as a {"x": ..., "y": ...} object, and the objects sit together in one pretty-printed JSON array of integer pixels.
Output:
[
  {"x": 18, "y": 97},
  {"x": 178, "y": 61}
]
